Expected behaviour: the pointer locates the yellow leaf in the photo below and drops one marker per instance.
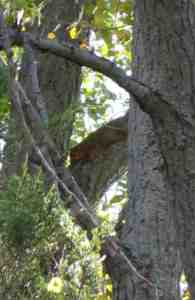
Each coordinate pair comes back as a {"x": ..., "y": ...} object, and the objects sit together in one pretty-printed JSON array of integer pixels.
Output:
[
  {"x": 186, "y": 295},
  {"x": 51, "y": 36},
  {"x": 73, "y": 33},
  {"x": 109, "y": 287}
]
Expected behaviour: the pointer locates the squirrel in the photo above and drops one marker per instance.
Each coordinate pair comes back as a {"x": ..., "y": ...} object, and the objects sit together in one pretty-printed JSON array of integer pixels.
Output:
[{"x": 100, "y": 140}]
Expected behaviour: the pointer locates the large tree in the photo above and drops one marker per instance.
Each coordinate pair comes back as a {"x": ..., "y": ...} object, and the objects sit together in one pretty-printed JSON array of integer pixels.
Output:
[{"x": 155, "y": 239}]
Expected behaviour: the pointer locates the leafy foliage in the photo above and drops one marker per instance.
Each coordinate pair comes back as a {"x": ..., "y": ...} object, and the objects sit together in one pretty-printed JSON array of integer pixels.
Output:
[
  {"x": 21, "y": 11},
  {"x": 100, "y": 102},
  {"x": 43, "y": 253},
  {"x": 23, "y": 214},
  {"x": 4, "y": 105},
  {"x": 111, "y": 21}
]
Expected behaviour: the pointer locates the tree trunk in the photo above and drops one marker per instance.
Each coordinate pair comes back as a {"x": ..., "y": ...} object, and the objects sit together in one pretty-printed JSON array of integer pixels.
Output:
[
  {"x": 148, "y": 234},
  {"x": 159, "y": 215},
  {"x": 59, "y": 79},
  {"x": 60, "y": 87}
]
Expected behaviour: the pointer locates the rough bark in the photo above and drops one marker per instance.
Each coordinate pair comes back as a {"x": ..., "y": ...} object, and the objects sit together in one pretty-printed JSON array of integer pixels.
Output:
[
  {"x": 163, "y": 52},
  {"x": 101, "y": 158},
  {"x": 177, "y": 141},
  {"x": 60, "y": 86},
  {"x": 59, "y": 78}
]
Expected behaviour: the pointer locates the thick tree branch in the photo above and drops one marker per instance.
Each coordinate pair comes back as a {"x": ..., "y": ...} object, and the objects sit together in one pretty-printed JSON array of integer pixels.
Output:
[
  {"x": 100, "y": 140},
  {"x": 96, "y": 176},
  {"x": 149, "y": 100},
  {"x": 145, "y": 96},
  {"x": 84, "y": 57},
  {"x": 33, "y": 83},
  {"x": 101, "y": 158}
]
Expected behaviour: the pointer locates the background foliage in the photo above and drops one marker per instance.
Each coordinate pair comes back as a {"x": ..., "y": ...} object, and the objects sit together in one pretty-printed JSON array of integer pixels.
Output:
[{"x": 43, "y": 253}]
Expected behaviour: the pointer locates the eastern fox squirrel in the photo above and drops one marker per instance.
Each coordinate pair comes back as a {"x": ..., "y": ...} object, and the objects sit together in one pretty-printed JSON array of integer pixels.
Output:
[{"x": 100, "y": 140}]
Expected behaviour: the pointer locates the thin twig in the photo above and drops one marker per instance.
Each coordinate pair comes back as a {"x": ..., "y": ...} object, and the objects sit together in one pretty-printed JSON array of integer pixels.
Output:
[
  {"x": 34, "y": 82},
  {"x": 47, "y": 166}
]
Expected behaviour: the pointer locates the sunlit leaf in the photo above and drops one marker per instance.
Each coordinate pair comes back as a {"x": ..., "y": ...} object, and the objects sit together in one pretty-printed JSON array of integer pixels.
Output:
[
  {"x": 73, "y": 32},
  {"x": 186, "y": 295},
  {"x": 55, "y": 285},
  {"x": 51, "y": 36},
  {"x": 104, "y": 49}
]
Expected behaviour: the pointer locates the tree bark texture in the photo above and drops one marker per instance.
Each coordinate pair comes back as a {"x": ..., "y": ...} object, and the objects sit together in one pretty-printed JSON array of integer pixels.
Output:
[
  {"x": 160, "y": 217},
  {"x": 60, "y": 87},
  {"x": 101, "y": 158},
  {"x": 59, "y": 79}
]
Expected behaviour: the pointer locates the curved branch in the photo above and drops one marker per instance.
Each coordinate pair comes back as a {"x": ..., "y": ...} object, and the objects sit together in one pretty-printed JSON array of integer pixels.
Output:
[
  {"x": 149, "y": 100},
  {"x": 84, "y": 57},
  {"x": 145, "y": 96}
]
